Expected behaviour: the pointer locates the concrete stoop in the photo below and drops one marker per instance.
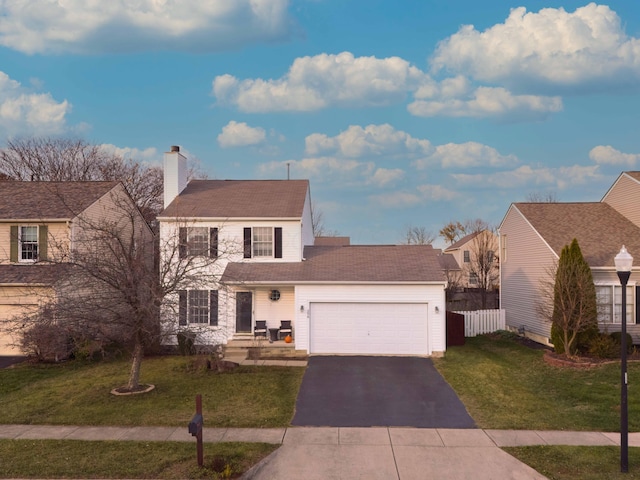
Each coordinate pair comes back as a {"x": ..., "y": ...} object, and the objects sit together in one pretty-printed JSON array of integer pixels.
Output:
[{"x": 248, "y": 347}]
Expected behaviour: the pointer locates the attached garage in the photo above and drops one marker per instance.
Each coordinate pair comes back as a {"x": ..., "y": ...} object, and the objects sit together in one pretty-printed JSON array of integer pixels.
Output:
[{"x": 368, "y": 328}]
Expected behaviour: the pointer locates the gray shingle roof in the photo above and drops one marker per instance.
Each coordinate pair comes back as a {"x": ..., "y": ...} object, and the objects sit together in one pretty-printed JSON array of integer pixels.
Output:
[
  {"x": 353, "y": 263},
  {"x": 38, "y": 274},
  {"x": 240, "y": 199},
  {"x": 599, "y": 229},
  {"x": 462, "y": 241},
  {"x": 48, "y": 200}
]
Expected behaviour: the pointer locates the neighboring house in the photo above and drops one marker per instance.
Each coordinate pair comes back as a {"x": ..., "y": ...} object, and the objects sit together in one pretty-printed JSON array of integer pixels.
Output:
[
  {"x": 532, "y": 236},
  {"x": 466, "y": 252},
  {"x": 40, "y": 223},
  {"x": 340, "y": 298}
]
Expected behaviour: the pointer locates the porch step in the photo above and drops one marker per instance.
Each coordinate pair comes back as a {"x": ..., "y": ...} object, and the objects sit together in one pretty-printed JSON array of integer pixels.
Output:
[{"x": 239, "y": 347}]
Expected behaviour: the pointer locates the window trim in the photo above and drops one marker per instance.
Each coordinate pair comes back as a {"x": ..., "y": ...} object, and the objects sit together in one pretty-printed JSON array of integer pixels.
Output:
[
  {"x": 185, "y": 248},
  {"x": 16, "y": 243},
  {"x": 249, "y": 242},
  {"x": 207, "y": 315},
  {"x": 615, "y": 309}
]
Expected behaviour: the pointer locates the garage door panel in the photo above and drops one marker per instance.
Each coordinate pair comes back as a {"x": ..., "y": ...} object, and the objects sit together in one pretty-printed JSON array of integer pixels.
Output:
[{"x": 369, "y": 328}]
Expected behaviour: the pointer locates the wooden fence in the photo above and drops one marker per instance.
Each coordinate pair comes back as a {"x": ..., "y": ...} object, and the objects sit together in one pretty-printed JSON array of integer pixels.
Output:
[{"x": 477, "y": 322}]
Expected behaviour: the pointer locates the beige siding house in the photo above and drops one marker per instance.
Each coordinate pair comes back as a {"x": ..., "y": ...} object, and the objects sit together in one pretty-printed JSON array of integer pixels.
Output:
[
  {"x": 269, "y": 269},
  {"x": 40, "y": 224},
  {"x": 532, "y": 236}
]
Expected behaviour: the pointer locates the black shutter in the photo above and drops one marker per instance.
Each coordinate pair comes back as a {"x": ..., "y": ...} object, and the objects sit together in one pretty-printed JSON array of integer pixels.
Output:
[
  {"x": 182, "y": 307},
  {"x": 213, "y": 242},
  {"x": 182, "y": 242},
  {"x": 247, "y": 242},
  {"x": 213, "y": 308},
  {"x": 277, "y": 244}
]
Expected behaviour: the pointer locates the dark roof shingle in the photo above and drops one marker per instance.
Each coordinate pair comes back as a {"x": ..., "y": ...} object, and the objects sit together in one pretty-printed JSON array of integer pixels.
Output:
[
  {"x": 240, "y": 199},
  {"x": 354, "y": 263},
  {"x": 599, "y": 228},
  {"x": 48, "y": 200}
]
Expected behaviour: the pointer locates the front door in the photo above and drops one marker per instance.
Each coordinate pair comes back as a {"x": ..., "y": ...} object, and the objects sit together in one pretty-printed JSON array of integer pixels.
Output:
[{"x": 244, "y": 308}]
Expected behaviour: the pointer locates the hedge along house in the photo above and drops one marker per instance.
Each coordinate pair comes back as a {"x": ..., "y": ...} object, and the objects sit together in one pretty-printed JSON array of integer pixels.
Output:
[
  {"x": 262, "y": 264},
  {"x": 41, "y": 223},
  {"x": 532, "y": 236}
]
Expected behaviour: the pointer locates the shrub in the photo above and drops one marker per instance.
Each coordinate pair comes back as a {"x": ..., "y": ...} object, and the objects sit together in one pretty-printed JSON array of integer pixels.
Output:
[
  {"x": 186, "y": 343},
  {"x": 603, "y": 346},
  {"x": 47, "y": 342},
  {"x": 617, "y": 337}
]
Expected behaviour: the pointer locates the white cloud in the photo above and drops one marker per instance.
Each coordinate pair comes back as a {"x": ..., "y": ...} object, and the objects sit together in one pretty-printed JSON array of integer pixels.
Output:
[
  {"x": 552, "y": 47},
  {"x": 607, "y": 155},
  {"x": 25, "y": 112},
  {"x": 422, "y": 195},
  {"x": 323, "y": 80},
  {"x": 527, "y": 177},
  {"x": 376, "y": 140},
  {"x": 487, "y": 102},
  {"x": 149, "y": 155},
  {"x": 236, "y": 134},
  {"x": 469, "y": 154},
  {"x": 385, "y": 176},
  {"x": 81, "y": 26}
]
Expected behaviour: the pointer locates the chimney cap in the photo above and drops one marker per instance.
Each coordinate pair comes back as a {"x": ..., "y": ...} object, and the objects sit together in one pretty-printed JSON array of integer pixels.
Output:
[{"x": 174, "y": 148}]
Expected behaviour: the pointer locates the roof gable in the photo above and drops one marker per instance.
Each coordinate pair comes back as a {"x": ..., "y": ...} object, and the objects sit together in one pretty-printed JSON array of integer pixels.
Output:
[
  {"x": 48, "y": 200},
  {"x": 598, "y": 227},
  {"x": 240, "y": 199}
]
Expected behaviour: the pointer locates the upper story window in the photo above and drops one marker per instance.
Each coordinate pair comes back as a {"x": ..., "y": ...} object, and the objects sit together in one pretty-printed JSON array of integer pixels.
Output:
[
  {"x": 198, "y": 242},
  {"x": 28, "y": 243},
  {"x": 467, "y": 257},
  {"x": 263, "y": 242}
]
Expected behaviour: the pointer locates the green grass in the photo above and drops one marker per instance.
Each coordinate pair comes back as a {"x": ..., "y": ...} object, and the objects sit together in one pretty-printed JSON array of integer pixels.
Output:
[
  {"x": 505, "y": 385},
  {"x": 169, "y": 460},
  {"x": 578, "y": 463},
  {"x": 77, "y": 393}
]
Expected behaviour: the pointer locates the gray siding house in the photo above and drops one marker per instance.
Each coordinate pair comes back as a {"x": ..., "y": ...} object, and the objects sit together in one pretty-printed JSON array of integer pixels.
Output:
[{"x": 532, "y": 236}]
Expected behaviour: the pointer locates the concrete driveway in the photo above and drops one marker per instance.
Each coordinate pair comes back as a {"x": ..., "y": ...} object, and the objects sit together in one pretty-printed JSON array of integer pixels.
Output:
[{"x": 364, "y": 391}]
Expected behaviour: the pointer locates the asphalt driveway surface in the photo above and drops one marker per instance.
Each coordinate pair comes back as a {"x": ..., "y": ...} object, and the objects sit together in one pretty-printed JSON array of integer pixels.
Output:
[{"x": 362, "y": 391}]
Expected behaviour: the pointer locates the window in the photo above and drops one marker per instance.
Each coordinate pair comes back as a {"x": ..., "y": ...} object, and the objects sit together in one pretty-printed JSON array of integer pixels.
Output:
[
  {"x": 198, "y": 306},
  {"x": 274, "y": 295},
  {"x": 490, "y": 255},
  {"x": 473, "y": 278},
  {"x": 467, "y": 258},
  {"x": 198, "y": 242},
  {"x": 609, "y": 301},
  {"x": 263, "y": 242},
  {"x": 28, "y": 244}
]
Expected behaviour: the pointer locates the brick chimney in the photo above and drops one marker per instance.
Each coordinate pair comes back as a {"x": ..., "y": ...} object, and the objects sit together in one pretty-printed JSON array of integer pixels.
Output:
[{"x": 175, "y": 174}]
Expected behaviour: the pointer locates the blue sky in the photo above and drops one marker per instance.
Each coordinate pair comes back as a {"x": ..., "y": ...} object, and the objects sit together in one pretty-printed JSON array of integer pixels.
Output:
[{"x": 399, "y": 113}]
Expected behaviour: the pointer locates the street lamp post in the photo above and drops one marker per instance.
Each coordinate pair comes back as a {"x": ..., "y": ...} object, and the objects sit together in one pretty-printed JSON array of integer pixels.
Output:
[{"x": 624, "y": 262}]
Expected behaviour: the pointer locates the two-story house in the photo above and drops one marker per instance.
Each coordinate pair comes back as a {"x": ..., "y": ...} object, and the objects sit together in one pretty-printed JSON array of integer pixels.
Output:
[
  {"x": 40, "y": 224},
  {"x": 259, "y": 262},
  {"x": 532, "y": 236}
]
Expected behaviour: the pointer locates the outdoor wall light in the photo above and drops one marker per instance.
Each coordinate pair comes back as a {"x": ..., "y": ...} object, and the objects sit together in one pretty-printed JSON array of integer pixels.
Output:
[
  {"x": 437, "y": 309},
  {"x": 302, "y": 308}
]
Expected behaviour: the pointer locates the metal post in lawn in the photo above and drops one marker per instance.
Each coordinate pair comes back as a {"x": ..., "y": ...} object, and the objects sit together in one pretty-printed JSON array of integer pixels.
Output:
[
  {"x": 195, "y": 429},
  {"x": 624, "y": 262}
]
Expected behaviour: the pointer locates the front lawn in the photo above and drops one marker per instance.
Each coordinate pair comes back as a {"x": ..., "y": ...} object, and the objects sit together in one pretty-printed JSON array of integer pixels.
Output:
[
  {"x": 169, "y": 460},
  {"x": 77, "y": 393},
  {"x": 506, "y": 385}
]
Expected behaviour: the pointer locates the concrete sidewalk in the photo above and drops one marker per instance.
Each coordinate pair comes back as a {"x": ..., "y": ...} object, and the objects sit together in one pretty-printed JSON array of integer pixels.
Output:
[{"x": 344, "y": 453}]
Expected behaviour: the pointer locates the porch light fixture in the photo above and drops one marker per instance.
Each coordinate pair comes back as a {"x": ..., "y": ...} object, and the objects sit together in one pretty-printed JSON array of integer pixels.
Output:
[
  {"x": 624, "y": 262},
  {"x": 437, "y": 309},
  {"x": 302, "y": 308}
]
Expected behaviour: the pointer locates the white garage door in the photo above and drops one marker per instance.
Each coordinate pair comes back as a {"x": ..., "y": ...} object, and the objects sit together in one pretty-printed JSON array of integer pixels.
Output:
[{"x": 368, "y": 328}]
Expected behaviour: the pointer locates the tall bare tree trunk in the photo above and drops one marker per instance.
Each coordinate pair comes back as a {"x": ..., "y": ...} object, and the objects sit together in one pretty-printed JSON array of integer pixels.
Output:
[{"x": 136, "y": 362}]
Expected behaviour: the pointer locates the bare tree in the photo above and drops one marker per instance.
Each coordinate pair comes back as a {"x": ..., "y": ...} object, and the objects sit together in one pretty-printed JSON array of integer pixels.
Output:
[
  {"x": 319, "y": 228},
  {"x": 542, "y": 197},
  {"x": 66, "y": 159},
  {"x": 414, "y": 235},
  {"x": 115, "y": 282}
]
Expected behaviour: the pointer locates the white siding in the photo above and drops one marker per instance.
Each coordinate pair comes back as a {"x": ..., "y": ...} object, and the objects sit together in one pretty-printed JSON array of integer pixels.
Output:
[
  {"x": 619, "y": 196},
  {"x": 274, "y": 312},
  {"x": 432, "y": 294},
  {"x": 528, "y": 260}
]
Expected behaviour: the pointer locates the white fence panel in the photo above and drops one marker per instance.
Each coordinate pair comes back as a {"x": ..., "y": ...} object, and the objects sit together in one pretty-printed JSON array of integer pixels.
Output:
[{"x": 477, "y": 322}]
